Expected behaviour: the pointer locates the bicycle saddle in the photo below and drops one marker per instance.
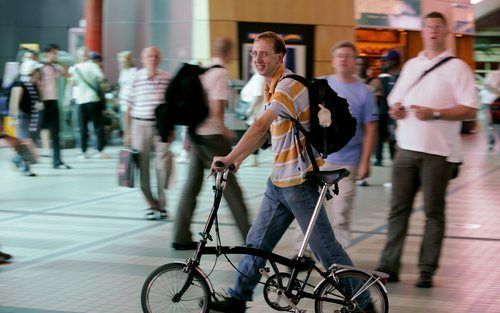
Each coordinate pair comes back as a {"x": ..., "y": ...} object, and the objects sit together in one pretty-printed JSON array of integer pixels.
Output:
[{"x": 327, "y": 177}]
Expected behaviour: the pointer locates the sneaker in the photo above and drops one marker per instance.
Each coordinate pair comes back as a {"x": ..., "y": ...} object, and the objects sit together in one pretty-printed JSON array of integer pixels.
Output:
[
  {"x": 83, "y": 155},
  {"x": 4, "y": 257},
  {"x": 29, "y": 174},
  {"x": 393, "y": 276},
  {"x": 62, "y": 165},
  {"x": 229, "y": 305},
  {"x": 424, "y": 281},
  {"x": 156, "y": 214},
  {"x": 362, "y": 183},
  {"x": 102, "y": 155},
  {"x": 387, "y": 185}
]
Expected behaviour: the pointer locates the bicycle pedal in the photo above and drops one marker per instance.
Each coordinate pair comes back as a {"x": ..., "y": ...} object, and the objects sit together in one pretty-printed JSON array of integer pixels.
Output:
[{"x": 265, "y": 272}]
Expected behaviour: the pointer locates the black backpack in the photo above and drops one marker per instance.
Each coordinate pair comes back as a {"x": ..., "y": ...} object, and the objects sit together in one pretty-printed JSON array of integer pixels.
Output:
[
  {"x": 325, "y": 140},
  {"x": 185, "y": 101}
]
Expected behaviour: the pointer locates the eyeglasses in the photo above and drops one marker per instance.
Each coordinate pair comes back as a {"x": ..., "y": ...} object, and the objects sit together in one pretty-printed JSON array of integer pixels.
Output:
[
  {"x": 262, "y": 54},
  {"x": 344, "y": 56},
  {"x": 435, "y": 27}
]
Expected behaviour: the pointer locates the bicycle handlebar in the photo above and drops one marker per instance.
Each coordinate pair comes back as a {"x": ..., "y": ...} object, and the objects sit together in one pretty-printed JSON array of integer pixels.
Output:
[
  {"x": 220, "y": 164},
  {"x": 221, "y": 177}
]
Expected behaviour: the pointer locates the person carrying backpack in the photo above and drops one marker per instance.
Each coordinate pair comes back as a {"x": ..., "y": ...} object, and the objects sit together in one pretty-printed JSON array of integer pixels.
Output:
[
  {"x": 288, "y": 195},
  {"x": 147, "y": 92},
  {"x": 208, "y": 139},
  {"x": 491, "y": 100},
  {"x": 355, "y": 156}
]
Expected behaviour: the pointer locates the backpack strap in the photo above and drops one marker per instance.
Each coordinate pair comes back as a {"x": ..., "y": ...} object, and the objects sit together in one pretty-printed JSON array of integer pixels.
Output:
[{"x": 299, "y": 126}]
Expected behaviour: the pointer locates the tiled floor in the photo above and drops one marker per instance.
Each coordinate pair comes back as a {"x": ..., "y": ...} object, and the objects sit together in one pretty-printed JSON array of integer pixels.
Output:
[{"x": 81, "y": 244}]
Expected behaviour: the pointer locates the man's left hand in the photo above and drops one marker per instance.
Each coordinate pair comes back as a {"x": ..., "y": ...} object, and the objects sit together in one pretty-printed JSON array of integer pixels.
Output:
[{"x": 422, "y": 113}]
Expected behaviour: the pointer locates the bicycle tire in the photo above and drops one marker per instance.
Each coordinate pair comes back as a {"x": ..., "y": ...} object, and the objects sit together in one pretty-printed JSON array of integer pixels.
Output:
[
  {"x": 165, "y": 281},
  {"x": 374, "y": 301}
]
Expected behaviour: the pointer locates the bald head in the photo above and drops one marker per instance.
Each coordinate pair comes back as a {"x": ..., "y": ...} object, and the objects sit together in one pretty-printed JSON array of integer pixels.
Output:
[{"x": 151, "y": 58}]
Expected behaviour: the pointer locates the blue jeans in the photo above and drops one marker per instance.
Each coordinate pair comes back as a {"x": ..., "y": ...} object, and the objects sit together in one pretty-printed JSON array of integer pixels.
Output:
[{"x": 278, "y": 209}]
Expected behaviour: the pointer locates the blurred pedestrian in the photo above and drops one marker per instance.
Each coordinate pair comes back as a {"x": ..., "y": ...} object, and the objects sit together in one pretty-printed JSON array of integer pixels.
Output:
[
  {"x": 147, "y": 91},
  {"x": 25, "y": 103},
  {"x": 127, "y": 72},
  {"x": 13, "y": 142},
  {"x": 386, "y": 125},
  {"x": 87, "y": 77},
  {"x": 50, "y": 113},
  {"x": 211, "y": 138},
  {"x": 355, "y": 156},
  {"x": 491, "y": 100},
  {"x": 253, "y": 94}
]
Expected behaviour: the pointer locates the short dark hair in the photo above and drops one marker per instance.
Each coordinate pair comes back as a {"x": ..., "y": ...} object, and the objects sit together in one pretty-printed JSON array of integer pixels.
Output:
[
  {"x": 345, "y": 44},
  {"x": 52, "y": 46},
  {"x": 435, "y": 14},
  {"x": 278, "y": 42}
]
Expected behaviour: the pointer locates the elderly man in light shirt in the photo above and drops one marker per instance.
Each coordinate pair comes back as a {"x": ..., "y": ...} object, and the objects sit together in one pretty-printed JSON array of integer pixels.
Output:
[{"x": 147, "y": 91}]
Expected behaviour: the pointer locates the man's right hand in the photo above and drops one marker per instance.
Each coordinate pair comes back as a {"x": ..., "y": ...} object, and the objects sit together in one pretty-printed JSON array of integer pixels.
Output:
[
  {"x": 226, "y": 161},
  {"x": 397, "y": 111}
]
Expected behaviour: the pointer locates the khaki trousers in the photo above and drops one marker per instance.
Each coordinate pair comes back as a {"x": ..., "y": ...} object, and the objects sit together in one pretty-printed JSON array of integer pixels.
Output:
[{"x": 145, "y": 139}]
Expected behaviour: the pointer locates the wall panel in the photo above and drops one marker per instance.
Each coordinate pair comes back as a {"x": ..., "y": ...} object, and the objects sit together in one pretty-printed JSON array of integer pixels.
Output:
[{"x": 326, "y": 37}]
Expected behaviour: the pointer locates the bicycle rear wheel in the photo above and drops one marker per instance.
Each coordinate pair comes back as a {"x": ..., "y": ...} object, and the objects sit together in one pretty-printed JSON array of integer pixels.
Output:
[
  {"x": 165, "y": 282},
  {"x": 373, "y": 299}
]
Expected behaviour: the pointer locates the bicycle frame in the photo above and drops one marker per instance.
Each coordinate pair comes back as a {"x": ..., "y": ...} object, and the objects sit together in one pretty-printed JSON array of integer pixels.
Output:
[{"x": 298, "y": 263}]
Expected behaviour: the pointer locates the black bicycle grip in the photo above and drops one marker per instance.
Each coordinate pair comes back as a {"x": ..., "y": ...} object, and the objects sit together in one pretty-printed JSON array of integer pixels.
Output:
[{"x": 221, "y": 164}]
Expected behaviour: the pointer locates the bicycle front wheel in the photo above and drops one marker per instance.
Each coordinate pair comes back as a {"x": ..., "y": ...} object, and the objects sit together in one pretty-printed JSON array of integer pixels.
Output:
[
  {"x": 161, "y": 288},
  {"x": 337, "y": 296}
]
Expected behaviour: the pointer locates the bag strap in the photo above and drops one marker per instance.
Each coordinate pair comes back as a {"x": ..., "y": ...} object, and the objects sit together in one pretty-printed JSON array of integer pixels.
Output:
[
  {"x": 299, "y": 126},
  {"x": 435, "y": 66},
  {"x": 87, "y": 83}
]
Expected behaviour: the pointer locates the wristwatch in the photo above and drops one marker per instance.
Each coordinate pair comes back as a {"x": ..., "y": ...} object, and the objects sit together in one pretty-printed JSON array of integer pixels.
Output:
[{"x": 436, "y": 114}]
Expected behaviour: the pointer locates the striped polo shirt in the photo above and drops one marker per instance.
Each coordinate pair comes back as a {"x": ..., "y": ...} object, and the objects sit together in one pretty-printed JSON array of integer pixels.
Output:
[
  {"x": 147, "y": 93},
  {"x": 288, "y": 97}
]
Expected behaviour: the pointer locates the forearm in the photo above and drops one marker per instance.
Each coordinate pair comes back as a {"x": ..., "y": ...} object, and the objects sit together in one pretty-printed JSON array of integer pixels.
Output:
[{"x": 457, "y": 113}]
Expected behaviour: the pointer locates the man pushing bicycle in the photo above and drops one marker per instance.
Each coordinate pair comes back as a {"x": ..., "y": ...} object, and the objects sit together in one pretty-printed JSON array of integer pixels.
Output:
[{"x": 288, "y": 195}]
